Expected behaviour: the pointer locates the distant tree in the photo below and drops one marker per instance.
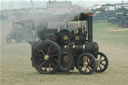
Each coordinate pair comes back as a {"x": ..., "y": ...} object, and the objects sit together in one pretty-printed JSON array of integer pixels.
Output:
[{"x": 107, "y": 4}]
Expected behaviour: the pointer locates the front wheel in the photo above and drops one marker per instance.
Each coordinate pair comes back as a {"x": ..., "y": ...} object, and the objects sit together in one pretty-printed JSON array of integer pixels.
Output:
[
  {"x": 86, "y": 63},
  {"x": 102, "y": 62}
]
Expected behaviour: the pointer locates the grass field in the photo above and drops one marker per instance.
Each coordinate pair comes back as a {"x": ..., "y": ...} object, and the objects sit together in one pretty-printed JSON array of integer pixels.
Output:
[{"x": 16, "y": 66}]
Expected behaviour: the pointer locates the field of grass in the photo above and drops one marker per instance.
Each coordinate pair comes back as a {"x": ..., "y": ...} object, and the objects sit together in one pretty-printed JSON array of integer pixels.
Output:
[
  {"x": 107, "y": 33},
  {"x": 16, "y": 66}
]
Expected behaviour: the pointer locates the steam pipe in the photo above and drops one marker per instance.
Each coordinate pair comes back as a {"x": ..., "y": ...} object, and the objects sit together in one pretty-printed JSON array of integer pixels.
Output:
[{"x": 90, "y": 27}]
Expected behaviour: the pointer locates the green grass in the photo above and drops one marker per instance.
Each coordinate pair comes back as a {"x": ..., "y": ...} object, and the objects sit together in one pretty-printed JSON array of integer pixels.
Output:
[
  {"x": 101, "y": 33},
  {"x": 17, "y": 69}
]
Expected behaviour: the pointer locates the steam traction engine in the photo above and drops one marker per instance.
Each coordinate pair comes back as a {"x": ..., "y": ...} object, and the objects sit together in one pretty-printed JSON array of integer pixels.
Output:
[{"x": 64, "y": 49}]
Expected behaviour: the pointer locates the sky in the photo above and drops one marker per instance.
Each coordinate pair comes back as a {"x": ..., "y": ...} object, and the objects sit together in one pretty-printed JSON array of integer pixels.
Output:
[
  {"x": 14, "y": 4},
  {"x": 63, "y": 0}
]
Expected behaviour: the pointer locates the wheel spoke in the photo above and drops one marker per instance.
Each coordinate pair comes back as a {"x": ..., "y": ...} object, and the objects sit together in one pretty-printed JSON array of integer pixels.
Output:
[
  {"x": 90, "y": 62},
  {"x": 42, "y": 51},
  {"x": 102, "y": 64},
  {"x": 54, "y": 55},
  {"x": 86, "y": 69},
  {"x": 102, "y": 60},
  {"x": 49, "y": 49},
  {"x": 100, "y": 67},
  {"x": 100, "y": 57},
  {"x": 42, "y": 63},
  {"x": 89, "y": 68}
]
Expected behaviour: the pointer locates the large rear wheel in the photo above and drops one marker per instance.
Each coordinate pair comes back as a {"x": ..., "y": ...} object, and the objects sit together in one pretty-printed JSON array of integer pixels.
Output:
[{"x": 45, "y": 57}]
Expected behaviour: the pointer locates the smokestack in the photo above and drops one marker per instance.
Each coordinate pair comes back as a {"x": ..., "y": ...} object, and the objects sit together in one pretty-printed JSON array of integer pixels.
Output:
[{"x": 90, "y": 27}]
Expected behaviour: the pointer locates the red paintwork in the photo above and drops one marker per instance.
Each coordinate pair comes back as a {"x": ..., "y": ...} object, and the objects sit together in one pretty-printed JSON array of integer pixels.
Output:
[{"x": 125, "y": 26}]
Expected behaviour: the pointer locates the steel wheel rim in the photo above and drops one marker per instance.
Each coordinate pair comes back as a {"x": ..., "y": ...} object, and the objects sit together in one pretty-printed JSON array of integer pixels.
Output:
[
  {"x": 102, "y": 62},
  {"x": 47, "y": 65},
  {"x": 86, "y": 64}
]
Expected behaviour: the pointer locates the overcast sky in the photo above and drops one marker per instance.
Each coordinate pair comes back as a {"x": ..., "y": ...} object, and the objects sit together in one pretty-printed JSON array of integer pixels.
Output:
[
  {"x": 15, "y": 4},
  {"x": 63, "y": 0}
]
